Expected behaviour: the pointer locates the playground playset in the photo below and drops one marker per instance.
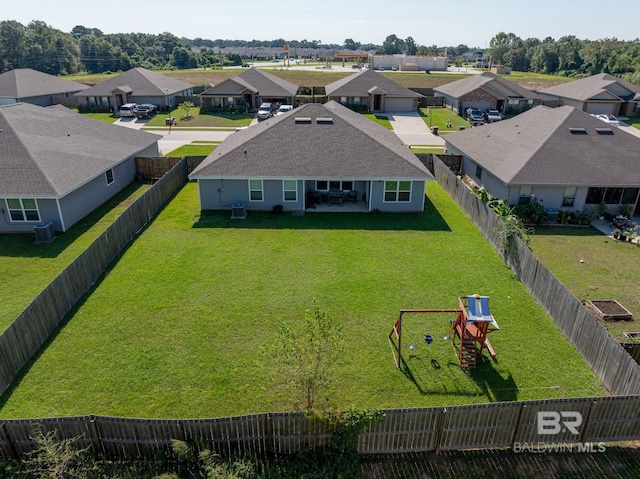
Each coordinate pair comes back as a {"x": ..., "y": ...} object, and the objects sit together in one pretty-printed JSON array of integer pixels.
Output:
[{"x": 468, "y": 330}]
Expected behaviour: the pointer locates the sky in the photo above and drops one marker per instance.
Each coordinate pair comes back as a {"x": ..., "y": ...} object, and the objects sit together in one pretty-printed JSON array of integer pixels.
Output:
[{"x": 442, "y": 23}]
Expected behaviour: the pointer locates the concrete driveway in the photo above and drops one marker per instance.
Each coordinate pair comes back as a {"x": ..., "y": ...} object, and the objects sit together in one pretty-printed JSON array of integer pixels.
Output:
[{"x": 412, "y": 130}]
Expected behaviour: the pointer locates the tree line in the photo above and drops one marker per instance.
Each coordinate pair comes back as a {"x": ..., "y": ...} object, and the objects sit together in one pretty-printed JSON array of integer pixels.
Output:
[{"x": 43, "y": 48}]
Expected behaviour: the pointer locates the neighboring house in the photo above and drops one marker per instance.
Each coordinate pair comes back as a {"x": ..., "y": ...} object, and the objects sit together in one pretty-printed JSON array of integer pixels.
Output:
[
  {"x": 57, "y": 165},
  {"x": 404, "y": 62},
  {"x": 137, "y": 85},
  {"x": 313, "y": 157},
  {"x": 561, "y": 157},
  {"x": 373, "y": 91},
  {"x": 597, "y": 94},
  {"x": 249, "y": 89},
  {"x": 31, "y": 86},
  {"x": 487, "y": 91}
]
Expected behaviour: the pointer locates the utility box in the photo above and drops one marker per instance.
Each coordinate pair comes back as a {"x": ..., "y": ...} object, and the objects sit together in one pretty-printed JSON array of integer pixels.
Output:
[
  {"x": 552, "y": 215},
  {"x": 44, "y": 233},
  {"x": 238, "y": 211}
]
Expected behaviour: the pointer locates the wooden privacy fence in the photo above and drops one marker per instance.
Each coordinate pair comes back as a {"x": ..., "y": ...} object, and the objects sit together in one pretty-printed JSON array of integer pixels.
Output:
[
  {"x": 155, "y": 167},
  {"x": 28, "y": 332},
  {"x": 485, "y": 426},
  {"x": 608, "y": 359}
]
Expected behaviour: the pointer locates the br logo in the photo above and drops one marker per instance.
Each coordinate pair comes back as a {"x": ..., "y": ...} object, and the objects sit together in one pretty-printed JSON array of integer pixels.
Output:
[{"x": 553, "y": 422}]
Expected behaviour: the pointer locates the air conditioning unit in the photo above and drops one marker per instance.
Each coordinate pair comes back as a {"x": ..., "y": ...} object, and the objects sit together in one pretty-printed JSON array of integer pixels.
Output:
[
  {"x": 44, "y": 233},
  {"x": 238, "y": 211}
]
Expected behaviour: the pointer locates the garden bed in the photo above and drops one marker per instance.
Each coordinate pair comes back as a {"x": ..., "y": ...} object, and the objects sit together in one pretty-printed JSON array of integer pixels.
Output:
[{"x": 609, "y": 310}]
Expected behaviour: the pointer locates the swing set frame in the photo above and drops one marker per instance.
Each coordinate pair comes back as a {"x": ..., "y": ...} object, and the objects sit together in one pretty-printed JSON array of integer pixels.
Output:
[
  {"x": 397, "y": 328},
  {"x": 468, "y": 327}
]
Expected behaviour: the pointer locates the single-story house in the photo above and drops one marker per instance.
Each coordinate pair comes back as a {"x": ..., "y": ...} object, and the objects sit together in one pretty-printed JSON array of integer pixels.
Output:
[
  {"x": 404, "y": 62},
  {"x": 137, "y": 85},
  {"x": 56, "y": 166},
  {"x": 373, "y": 90},
  {"x": 487, "y": 91},
  {"x": 563, "y": 158},
  {"x": 31, "y": 86},
  {"x": 249, "y": 89},
  {"x": 598, "y": 94},
  {"x": 319, "y": 156}
]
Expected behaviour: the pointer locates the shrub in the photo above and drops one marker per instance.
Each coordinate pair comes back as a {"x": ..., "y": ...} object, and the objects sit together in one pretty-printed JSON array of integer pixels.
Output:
[{"x": 532, "y": 213}]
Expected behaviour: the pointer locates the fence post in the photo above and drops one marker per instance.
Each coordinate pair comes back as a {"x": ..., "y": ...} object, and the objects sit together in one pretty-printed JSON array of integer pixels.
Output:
[
  {"x": 587, "y": 424},
  {"x": 96, "y": 439},
  {"x": 441, "y": 430},
  {"x": 10, "y": 449},
  {"x": 270, "y": 439},
  {"x": 516, "y": 432}
]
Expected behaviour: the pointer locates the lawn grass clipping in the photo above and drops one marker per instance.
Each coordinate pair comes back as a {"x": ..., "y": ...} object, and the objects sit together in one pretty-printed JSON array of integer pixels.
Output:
[{"x": 174, "y": 329}]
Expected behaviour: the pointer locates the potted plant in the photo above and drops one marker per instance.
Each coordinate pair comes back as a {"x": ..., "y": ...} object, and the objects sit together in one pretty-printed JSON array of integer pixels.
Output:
[
  {"x": 616, "y": 233},
  {"x": 602, "y": 209},
  {"x": 625, "y": 210}
]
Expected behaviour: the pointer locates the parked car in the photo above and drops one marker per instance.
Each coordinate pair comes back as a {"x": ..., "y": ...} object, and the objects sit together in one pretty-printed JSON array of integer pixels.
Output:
[
  {"x": 128, "y": 109},
  {"x": 145, "y": 110},
  {"x": 609, "y": 119},
  {"x": 475, "y": 116},
  {"x": 245, "y": 65},
  {"x": 492, "y": 115},
  {"x": 265, "y": 111},
  {"x": 284, "y": 109}
]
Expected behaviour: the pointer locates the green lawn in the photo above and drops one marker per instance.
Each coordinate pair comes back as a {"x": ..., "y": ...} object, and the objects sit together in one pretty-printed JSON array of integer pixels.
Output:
[
  {"x": 440, "y": 117},
  {"x": 381, "y": 120},
  {"x": 174, "y": 329},
  {"x": 104, "y": 117},
  {"x": 427, "y": 149},
  {"x": 609, "y": 269},
  {"x": 30, "y": 267},
  {"x": 195, "y": 148},
  {"x": 197, "y": 120},
  {"x": 634, "y": 121}
]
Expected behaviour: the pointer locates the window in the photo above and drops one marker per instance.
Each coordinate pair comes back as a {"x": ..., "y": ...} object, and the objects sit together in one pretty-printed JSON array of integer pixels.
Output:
[
  {"x": 109, "y": 176},
  {"x": 629, "y": 196},
  {"x": 479, "y": 172},
  {"x": 322, "y": 185},
  {"x": 526, "y": 192},
  {"x": 356, "y": 100},
  {"x": 569, "y": 196},
  {"x": 23, "y": 209},
  {"x": 397, "y": 191},
  {"x": 334, "y": 185},
  {"x": 290, "y": 188},
  {"x": 343, "y": 100},
  {"x": 613, "y": 196},
  {"x": 347, "y": 185},
  {"x": 255, "y": 190},
  {"x": 595, "y": 196}
]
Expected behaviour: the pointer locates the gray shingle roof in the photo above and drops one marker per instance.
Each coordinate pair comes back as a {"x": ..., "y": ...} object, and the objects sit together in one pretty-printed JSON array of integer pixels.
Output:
[
  {"x": 351, "y": 146},
  {"x": 23, "y": 83},
  {"x": 141, "y": 81},
  {"x": 538, "y": 147},
  {"x": 360, "y": 84},
  {"x": 494, "y": 84},
  {"x": 258, "y": 81},
  {"x": 49, "y": 151},
  {"x": 590, "y": 87}
]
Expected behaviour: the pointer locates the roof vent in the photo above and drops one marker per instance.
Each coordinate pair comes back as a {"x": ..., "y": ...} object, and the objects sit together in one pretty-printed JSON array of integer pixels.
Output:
[
  {"x": 578, "y": 131},
  {"x": 303, "y": 120},
  {"x": 324, "y": 121},
  {"x": 604, "y": 131}
]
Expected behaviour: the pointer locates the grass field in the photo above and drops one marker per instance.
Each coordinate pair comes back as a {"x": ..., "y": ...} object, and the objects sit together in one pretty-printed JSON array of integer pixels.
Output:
[
  {"x": 609, "y": 269},
  {"x": 194, "y": 148},
  {"x": 32, "y": 266},
  {"x": 532, "y": 81},
  {"x": 201, "y": 120},
  {"x": 175, "y": 327},
  {"x": 381, "y": 120},
  {"x": 440, "y": 116}
]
